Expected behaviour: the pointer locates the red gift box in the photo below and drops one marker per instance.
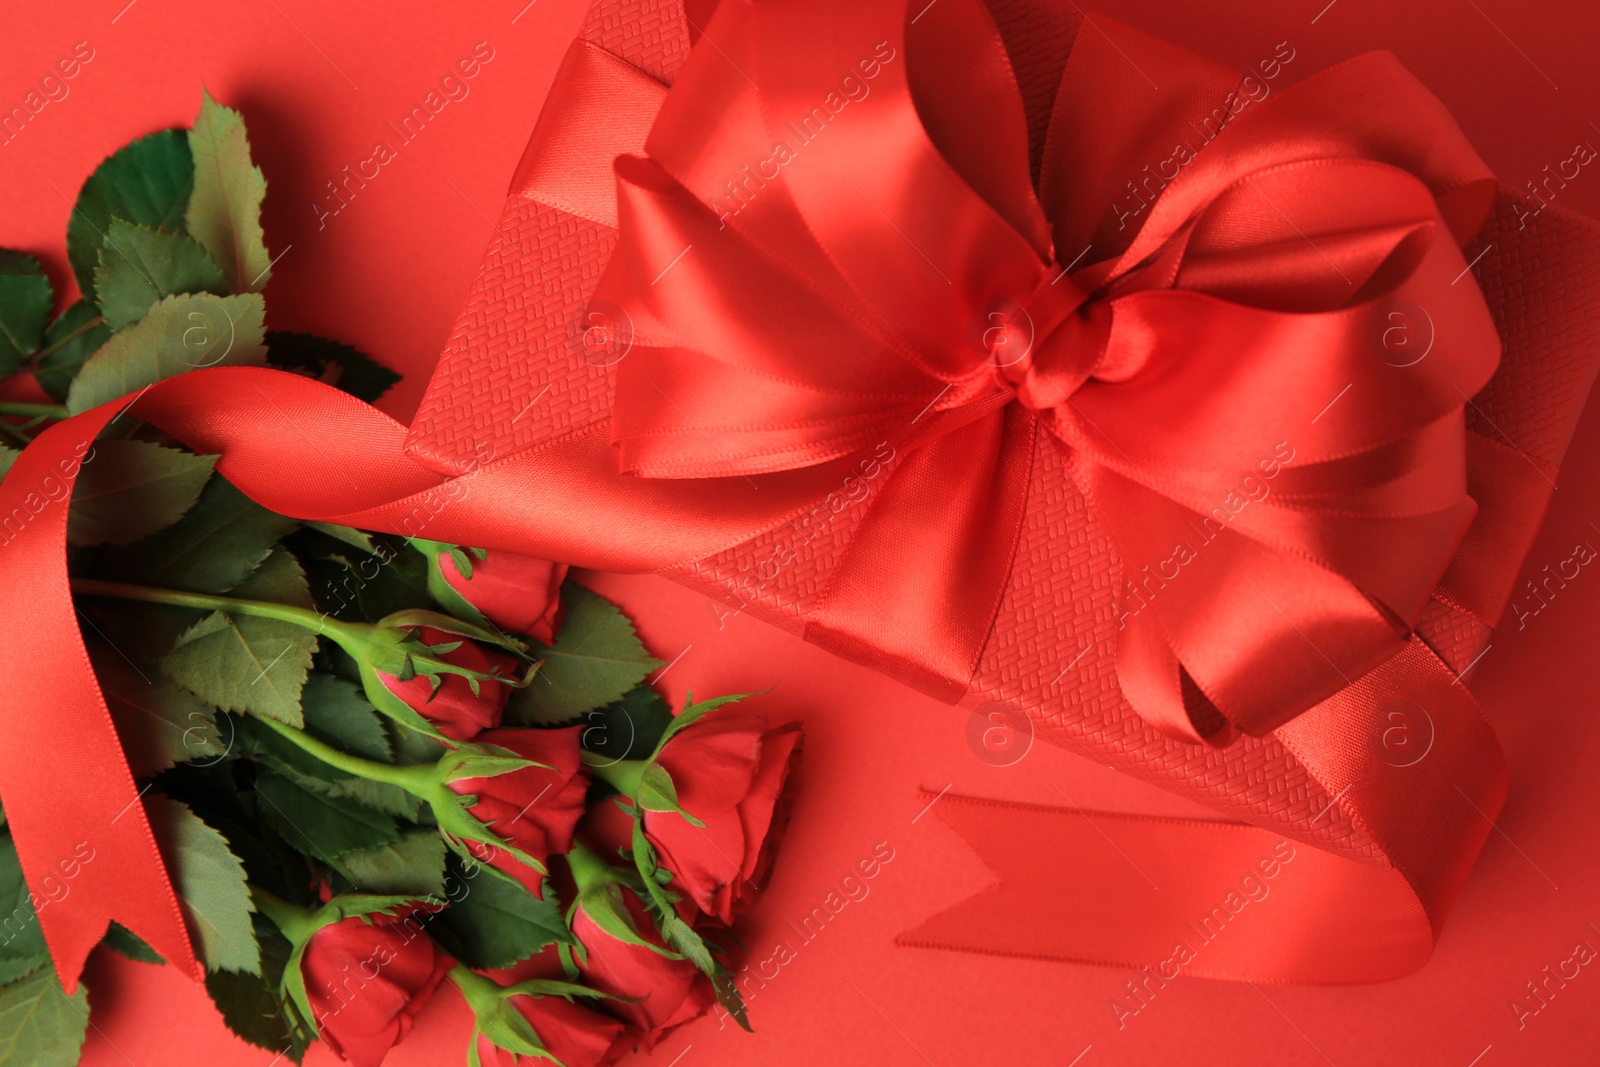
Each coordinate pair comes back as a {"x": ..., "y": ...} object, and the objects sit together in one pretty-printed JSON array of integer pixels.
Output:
[{"x": 533, "y": 360}]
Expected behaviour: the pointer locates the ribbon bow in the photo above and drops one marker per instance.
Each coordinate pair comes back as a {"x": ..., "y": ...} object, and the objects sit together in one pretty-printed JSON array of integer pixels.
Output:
[{"x": 828, "y": 247}]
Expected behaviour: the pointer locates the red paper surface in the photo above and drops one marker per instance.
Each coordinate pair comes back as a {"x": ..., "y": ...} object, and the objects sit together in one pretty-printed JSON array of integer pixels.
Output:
[{"x": 320, "y": 84}]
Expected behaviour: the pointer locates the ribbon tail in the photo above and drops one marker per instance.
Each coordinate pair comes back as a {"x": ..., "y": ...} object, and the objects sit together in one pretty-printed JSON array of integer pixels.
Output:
[
  {"x": 1228, "y": 900},
  {"x": 961, "y": 528},
  {"x": 1175, "y": 897},
  {"x": 91, "y": 838}
]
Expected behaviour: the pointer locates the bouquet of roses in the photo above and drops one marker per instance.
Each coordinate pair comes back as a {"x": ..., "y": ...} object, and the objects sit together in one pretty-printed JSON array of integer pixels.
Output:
[{"x": 373, "y": 763}]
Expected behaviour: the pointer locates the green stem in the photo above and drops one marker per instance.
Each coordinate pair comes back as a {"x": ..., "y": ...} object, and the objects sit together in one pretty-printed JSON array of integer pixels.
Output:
[
  {"x": 362, "y": 641},
  {"x": 418, "y": 779},
  {"x": 17, "y": 433},
  {"x": 622, "y": 775},
  {"x": 49, "y": 349},
  {"x": 34, "y": 411},
  {"x": 293, "y": 920},
  {"x": 305, "y": 617}
]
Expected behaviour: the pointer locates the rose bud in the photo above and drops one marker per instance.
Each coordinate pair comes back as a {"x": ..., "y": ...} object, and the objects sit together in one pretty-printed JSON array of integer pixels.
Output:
[
  {"x": 509, "y": 799},
  {"x": 517, "y": 594},
  {"x": 433, "y": 673},
  {"x": 534, "y": 1022},
  {"x": 459, "y": 705},
  {"x": 573, "y": 1035},
  {"x": 366, "y": 978},
  {"x": 534, "y": 809},
  {"x": 712, "y": 803},
  {"x": 622, "y": 954}
]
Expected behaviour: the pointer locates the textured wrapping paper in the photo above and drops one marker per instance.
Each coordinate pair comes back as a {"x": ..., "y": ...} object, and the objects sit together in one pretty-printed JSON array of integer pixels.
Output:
[{"x": 532, "y": 359}]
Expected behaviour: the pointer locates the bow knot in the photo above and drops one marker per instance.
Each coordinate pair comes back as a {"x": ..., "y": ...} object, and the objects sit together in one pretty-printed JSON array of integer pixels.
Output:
[{"x": 1044, "y": 347}]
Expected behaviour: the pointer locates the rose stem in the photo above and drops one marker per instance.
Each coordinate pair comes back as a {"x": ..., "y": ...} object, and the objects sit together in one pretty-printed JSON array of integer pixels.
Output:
[
  {"x": 416, "y": 779},
  {"x": 305, "y": 617}
]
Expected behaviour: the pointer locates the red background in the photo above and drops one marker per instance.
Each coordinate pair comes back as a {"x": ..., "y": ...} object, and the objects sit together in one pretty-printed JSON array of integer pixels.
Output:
[{"x": 318, "y": 85}]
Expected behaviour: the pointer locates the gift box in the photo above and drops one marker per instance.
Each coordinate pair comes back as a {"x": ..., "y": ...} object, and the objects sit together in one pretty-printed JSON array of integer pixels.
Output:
[
  {"x": 537, "y": 357},
  {"x": 129, "y": 1007}
]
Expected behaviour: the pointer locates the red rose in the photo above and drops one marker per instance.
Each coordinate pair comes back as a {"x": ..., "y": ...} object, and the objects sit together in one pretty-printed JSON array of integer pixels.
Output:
[
  {"x": 367, "y": 977},
  {"x": 574, "y": 1035},
  {"x": 536, "y": 809},
  {"x": 729, "y": 771},
  {"x": 454, "y": 708},
  {"x": 660, "y": 993},
  {"x": 519, "y": 594}
]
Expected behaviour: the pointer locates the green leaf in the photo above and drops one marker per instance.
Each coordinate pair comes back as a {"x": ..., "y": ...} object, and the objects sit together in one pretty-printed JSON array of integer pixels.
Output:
[
  {"x": 159, "y": 724},
  {"x": 211, "y": 881},
  {"x": 80, "y": 322},
  {"x": 337, "y": 712},
  {"x": 250, "y": 1004},
  {"x": 141, "y": 632},
  {"x": 629, "y": 728},
  {"x": 413, "y": 747},
  {"x": 147, "y": 182},
  {"x": 332, "y": 362},
  {"x": 367, "y": 588},
  {"x": 40, "y": 1026},
  {"x": 308, "y": 772},
  {"x": 319, "y": 825},
  {"x": 347, "y": 534},
  {"x": 20, "y": 936},
  {"x": 498, "y": 922},
  {"x": 595, "y": 661},
  {"x": 13, "y": 968},
  {"x": 279, "y": 579},
  {"x": 132, "y": 489},
  {"x": 25, "y": 302},
  {"x": 242, "y": 663},
  {"x": 217, "y": 545},
  {"x": 177, "y": 334},
  {"x": 414, "y": 866},
  {"x": 379, "y": 796},
  {"x": 224, "y": 212},
  {"x": 124, "y": 941},
  {"x": 347, "y": 905},
  {"x": 140, "y": 265}
]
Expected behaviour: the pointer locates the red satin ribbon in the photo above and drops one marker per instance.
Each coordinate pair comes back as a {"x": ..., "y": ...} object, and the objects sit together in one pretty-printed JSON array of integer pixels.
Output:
[
  {"x": 1109, "y": 888},
  {"x": 848, "y": 303}
]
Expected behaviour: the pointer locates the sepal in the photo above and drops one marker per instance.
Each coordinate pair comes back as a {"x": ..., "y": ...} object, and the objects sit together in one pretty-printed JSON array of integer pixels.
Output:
[
  {"x": 499, "y": 1021},
  {"x": 661, "y": 903}
]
